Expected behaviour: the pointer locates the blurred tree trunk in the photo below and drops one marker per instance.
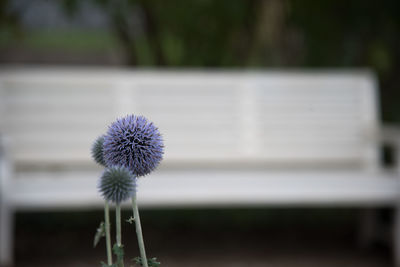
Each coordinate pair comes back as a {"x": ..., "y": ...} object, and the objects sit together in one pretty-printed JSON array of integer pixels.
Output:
[
  {"x": 153, "y": 34},
  {"x": 119, "y": 14},
  {"x": 268, "y": 35},
  {"x": 123, "y": 21}
]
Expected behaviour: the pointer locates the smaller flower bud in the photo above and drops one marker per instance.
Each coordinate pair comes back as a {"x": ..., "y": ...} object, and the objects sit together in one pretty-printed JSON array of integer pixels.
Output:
[
  {"x": 97, "y": 151},
  {"x": 117, "y": 184}
]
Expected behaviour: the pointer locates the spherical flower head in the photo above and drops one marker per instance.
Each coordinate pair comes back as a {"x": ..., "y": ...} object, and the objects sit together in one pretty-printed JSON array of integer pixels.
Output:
[
  {"x": 97, "y": 151},
  {"x": 133, "y": 142},
  {"x": 117, "y": 184}
]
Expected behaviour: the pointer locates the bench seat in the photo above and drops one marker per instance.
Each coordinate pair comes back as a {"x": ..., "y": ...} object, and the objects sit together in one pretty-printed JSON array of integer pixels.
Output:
[{"x": 181, "y": 188}]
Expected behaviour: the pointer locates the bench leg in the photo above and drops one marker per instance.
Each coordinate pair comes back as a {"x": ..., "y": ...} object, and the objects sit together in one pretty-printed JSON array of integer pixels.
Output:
[
  {"x": 6, "y": 235},
  {"x": 396, "y": 237}
]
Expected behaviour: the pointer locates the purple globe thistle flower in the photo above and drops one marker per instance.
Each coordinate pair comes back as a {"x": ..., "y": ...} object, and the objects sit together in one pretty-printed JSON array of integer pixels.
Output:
[
  {"x": 97, "y": 150},
  {"x": 133, "y": 142},
  {"x": 117, "y": 184}
]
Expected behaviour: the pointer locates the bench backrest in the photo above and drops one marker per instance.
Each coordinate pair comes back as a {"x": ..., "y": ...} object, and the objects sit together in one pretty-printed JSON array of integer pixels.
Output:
[{"x": 52, "y": 116}]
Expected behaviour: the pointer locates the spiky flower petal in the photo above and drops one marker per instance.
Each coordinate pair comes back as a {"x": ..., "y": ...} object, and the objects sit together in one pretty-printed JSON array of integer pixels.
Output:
[
  {"x": 97, "y": 151},
  {"x": 117, "y": 184},
  {"x": 133, "y": 142}
]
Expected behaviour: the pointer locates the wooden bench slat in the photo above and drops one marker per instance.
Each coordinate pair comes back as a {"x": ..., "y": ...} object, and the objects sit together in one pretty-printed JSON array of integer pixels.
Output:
[{"x": 213, "y": 188}]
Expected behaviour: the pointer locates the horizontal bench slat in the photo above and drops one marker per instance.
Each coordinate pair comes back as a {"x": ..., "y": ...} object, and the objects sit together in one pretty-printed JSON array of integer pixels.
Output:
[{"x": 213, "y": 188}]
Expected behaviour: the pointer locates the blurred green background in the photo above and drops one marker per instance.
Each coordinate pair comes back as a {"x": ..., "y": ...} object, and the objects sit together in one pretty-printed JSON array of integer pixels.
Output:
[{"x": 206, "y": 33}]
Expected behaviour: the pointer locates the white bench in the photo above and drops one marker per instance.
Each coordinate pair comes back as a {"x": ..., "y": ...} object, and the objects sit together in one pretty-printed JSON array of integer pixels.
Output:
[{"x": 233, "y": 138}]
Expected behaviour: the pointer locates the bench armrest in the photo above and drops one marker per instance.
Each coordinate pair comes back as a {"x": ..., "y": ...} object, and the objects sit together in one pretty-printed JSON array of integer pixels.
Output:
[
  {"x": 6, "y": 207},
  {"x": 5, "y": 168},
  {"x": 390, "y": 135}
]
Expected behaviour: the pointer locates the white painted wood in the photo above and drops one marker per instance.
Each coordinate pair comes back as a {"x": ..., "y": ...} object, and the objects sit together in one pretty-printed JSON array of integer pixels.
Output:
[
  {"x": 179, "y": 188},
  {"x": 6, "y": 208},
  {"x": 248, "y": 119}
]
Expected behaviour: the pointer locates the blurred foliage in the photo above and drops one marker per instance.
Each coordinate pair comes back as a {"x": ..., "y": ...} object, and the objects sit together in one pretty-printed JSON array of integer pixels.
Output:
[
  {"x": 243, "y": 33},
  {"x": 9, "y": 22},
  {"x": 67, "y": 40}
]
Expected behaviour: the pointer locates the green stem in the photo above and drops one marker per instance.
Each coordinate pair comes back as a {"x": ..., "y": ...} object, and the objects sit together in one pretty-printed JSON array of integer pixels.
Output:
[
  {"x": 139, "y": 231},
  {"x": 107, "y": 228},
  {"x": 118, "y": 223}
]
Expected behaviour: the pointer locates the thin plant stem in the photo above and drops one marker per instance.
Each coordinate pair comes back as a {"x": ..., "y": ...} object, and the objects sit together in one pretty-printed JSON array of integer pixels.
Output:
[
  {"x": 108, "y": 235},
  {"x": 118, "y": 226},
  {"x": 139, "y": 231}
]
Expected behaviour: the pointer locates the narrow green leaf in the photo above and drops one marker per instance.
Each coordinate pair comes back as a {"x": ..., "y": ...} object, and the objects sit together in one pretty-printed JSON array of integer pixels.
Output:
[{"x": 100, "y": 232}]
